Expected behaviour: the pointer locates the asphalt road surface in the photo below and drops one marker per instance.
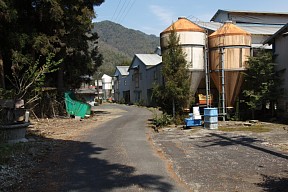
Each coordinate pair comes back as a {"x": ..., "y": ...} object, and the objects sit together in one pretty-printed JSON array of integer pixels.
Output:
[{"x": 115, "y": 156}]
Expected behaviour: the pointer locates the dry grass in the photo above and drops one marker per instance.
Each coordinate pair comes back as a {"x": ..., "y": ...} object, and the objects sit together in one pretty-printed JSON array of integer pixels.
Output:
[{"x": 253, "y": 128}]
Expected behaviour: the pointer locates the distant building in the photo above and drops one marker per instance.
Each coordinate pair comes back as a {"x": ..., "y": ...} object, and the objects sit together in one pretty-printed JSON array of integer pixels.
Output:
[
  {"x": 107, "y": 86},
  {"x": 86, "y": 92},
  {"x": 122, "y": 84},
  {"x": 99, "y": 89},
  {"x": 133, "y": 84},
  {"x": 279, "y": 42},
  {"x": 145, "y": 70}
]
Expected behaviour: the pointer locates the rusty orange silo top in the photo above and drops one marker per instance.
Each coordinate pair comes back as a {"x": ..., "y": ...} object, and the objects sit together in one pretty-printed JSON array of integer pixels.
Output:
[
  {"x": 229, "y": 29},
  {"x": 183, "y": 24}
]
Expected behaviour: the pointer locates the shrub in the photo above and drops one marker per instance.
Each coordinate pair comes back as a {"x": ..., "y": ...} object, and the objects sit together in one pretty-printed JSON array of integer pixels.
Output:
[{"x": 162, "y": 120}]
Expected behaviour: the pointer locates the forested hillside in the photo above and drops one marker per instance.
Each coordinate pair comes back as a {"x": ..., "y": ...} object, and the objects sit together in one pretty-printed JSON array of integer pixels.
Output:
[{"x": 118, "y": 44}]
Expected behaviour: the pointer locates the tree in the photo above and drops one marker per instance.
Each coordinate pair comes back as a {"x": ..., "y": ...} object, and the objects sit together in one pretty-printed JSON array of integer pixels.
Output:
[
  {"x": 34, "y": 29},
  {"x": 261, "y": 82},
  {"x": 28, "y": 78},
  {"x": 174, "y": 94},
  {"x": 46, "y": 43}
]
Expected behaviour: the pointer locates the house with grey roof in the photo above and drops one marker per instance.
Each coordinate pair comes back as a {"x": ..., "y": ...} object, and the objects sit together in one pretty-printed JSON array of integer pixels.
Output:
[
  {"x": 279, "y": 42},
  {"x": 122, "y": 84},
  {"x": 145, "y": 70}
]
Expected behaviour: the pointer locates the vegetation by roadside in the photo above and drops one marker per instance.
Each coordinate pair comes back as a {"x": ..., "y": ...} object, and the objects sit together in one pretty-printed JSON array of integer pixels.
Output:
[{"x": 253, "y": 128}]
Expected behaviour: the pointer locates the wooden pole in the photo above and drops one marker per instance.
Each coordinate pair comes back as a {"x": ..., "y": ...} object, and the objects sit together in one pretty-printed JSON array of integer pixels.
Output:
[{"x": 2, "y": 77}]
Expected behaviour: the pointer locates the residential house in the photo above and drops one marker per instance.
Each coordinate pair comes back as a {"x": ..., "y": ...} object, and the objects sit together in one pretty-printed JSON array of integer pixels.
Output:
[
  {"x": 122, "y": 84},
  {"x": 145, "y": 70},
  {"x": 279, "y": 42},
  {"x": 99, "y": 89},
  {"x": 107, "y": 86},
  {"x": 86, "y": 92}
]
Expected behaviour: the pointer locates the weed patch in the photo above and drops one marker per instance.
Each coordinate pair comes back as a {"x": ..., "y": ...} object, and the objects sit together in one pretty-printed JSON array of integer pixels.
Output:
[{"x": 253, "y": 128}]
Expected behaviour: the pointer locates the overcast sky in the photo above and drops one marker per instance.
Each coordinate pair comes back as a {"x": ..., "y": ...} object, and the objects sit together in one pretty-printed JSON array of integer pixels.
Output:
[{"x": 154, "y": 16}]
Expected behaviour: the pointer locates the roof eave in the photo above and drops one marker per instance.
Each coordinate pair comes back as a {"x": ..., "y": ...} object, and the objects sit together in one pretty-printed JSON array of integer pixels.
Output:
[
  {"x": 270, "y": 39},
  {"x": 217, "y": 13}
]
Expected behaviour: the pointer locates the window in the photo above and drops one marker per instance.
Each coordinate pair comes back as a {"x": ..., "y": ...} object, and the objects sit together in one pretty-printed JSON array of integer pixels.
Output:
[
  {"x": 136, "y": 78},
  {"x": 137, "y": 96},
  {"x": 155, "y": 75}
]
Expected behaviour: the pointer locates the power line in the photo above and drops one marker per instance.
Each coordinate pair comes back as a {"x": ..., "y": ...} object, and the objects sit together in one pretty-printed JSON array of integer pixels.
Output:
[
  {"x": 119, "y": 2},
  {"x": 123, "y": 5},
  {"x": 132, "y": 4}
]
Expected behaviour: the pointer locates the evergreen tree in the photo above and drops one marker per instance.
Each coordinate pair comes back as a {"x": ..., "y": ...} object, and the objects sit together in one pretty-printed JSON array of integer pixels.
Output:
[
  {"x": 34, "y": 29},
  {"x": 261, "y": 82},
  {"x": 174, "y": 94}
]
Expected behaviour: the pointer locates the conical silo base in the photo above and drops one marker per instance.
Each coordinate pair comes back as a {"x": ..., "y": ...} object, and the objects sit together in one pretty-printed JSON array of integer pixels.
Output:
[{"x": 233, "y": 83}]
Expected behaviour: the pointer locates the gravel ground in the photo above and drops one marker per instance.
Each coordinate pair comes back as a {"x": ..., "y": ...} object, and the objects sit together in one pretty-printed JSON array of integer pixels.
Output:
[{"x": 213, "y": 160}]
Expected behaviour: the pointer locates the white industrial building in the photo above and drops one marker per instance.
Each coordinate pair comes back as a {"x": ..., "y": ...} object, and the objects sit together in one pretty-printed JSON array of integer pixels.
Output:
[
  {"x": 261, "y": 25},
  {"x": 279, "y": 42}
]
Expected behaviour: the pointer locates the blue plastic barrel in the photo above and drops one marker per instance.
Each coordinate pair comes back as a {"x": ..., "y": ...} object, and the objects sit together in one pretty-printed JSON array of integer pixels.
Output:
[{"x": 211, "y": 118}]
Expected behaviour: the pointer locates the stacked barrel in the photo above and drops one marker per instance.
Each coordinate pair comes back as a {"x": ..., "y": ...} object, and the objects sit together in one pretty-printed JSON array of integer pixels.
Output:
[{"x": 211, "y": 118}]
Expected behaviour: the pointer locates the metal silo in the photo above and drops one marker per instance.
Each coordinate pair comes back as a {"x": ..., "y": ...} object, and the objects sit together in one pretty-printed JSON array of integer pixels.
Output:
[
  {"x": 192, "y": 40},
  {"x": 229, "y": 49}
]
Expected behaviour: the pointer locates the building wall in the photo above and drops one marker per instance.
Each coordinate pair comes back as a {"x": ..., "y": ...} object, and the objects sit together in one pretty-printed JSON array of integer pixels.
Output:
[
  {"x": 142, "y": 80},
  {"x": 250, "y": 17},
  {"x": 121, "y": 86},
  {"x": 138, "y": 83},
  {"x": 154, "y": 76},
  {"x": 280, "y": 49},
  {"x": 258, "y": 18}
]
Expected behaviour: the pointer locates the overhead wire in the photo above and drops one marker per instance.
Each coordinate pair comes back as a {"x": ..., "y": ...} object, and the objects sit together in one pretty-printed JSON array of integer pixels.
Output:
[
  {"x": 121, "y": 9},
  {"x": 131, "y": 5},
  {"x": 119, "y": 2}
]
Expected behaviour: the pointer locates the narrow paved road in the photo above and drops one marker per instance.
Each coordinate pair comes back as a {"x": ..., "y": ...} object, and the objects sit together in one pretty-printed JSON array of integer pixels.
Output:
[{"x": 115, "y": 156}]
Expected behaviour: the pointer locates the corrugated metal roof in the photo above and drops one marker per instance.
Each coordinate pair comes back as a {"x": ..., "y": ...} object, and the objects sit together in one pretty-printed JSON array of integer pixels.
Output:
[
  {"x": 261, "y": 29},
  {"x": 253, "y": 29},
  {"x": 149, "y": 59},
  {"x": 183, "y": 24},
  {"x": 86, "y": 91},
  {"x": 123, "y": 70},
  {"x": 106, "y": 77},
  {"x": 269, "y": 40}
]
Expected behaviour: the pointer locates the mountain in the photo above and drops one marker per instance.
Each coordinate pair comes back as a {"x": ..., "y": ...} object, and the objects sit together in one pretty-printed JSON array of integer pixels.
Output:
[{"x": 118, "y": 44}]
